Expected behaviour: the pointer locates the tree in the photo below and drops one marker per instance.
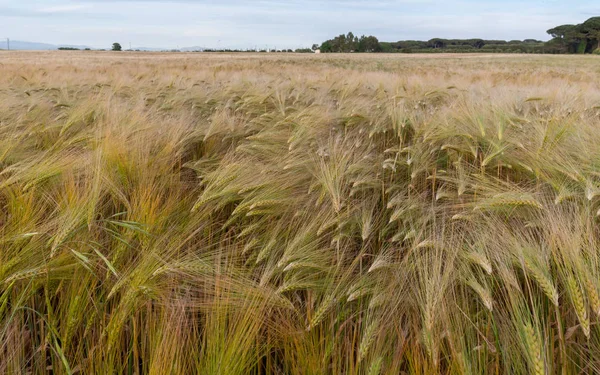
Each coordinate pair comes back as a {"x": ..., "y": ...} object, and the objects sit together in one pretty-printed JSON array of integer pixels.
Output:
[
  {"x": 591, "y": 28},
  {"x": 478, "y": 43},
  {"x": 327, "y": 46},
  {"x": 437, "y": 43},
  {"x": 315, "y": 47},
  {"x": 562, "y": 32},
  {"x": 368, "y": 44},
  {"x": 568, "y": 36},
  {"x": 351, "y": 43},
  {"x": 581, "y": 38},
  {"x": 340, "y": 43},
  {"x": 116, "y": 47}
]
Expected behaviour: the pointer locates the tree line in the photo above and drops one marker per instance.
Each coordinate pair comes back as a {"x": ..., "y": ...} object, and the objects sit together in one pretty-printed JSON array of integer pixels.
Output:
[
  {"x": 581, "y": 38},
  {"x": 351, "y": 43}
]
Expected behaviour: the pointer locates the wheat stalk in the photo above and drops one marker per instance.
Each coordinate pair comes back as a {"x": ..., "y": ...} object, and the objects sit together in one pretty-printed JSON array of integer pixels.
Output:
[
  {"x": 579, "y": 304},
  {"x": 534, "y": 349}
]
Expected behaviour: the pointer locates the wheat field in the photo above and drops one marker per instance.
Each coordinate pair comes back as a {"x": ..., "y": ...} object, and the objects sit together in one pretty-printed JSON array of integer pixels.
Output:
[{"x": 299, "y": 214}]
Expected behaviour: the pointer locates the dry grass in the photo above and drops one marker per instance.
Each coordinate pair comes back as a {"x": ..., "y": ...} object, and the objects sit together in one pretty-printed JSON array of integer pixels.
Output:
[{"x": 299, "y": 214}]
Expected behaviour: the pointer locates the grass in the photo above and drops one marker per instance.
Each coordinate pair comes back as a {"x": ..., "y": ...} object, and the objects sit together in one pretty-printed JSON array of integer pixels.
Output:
[{"x": 298, "y": 214}]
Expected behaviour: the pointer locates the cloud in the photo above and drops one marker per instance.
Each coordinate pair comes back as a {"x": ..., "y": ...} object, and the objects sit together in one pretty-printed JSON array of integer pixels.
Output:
[{"x": 67, "y": 8}]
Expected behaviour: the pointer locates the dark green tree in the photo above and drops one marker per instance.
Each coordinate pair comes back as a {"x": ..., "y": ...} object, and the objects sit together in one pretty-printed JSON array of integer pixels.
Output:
[
  {"x": 351, "y": 43},
  {"x": 591, "y": 30},
  {"x": 437, "y": 43},
  {"x": 338, "y": 43},
  {"x": 478, "y": 43},
  {"x": 368, "y": 44},
  {"x": 562, "y": 32},
  {"x": 327, "y": 46},
  {"x": 566, "y": 36},
  {"x": 116, "y": 47}
]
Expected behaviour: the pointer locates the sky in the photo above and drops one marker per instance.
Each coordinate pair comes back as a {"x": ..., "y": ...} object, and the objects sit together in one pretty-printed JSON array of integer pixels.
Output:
[{"x": 279, "y": 23}]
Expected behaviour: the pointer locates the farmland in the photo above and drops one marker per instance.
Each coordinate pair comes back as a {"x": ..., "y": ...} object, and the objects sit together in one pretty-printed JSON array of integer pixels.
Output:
[{"x": 299, "y": 213}]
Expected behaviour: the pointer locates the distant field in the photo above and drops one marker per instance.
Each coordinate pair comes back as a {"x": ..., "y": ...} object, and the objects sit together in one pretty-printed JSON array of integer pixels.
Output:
[{"x": 299, "y": 214}]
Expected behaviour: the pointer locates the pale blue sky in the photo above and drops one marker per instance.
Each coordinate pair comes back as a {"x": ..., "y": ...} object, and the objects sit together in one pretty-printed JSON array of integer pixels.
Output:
[{"x": 279, "y": 23}]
